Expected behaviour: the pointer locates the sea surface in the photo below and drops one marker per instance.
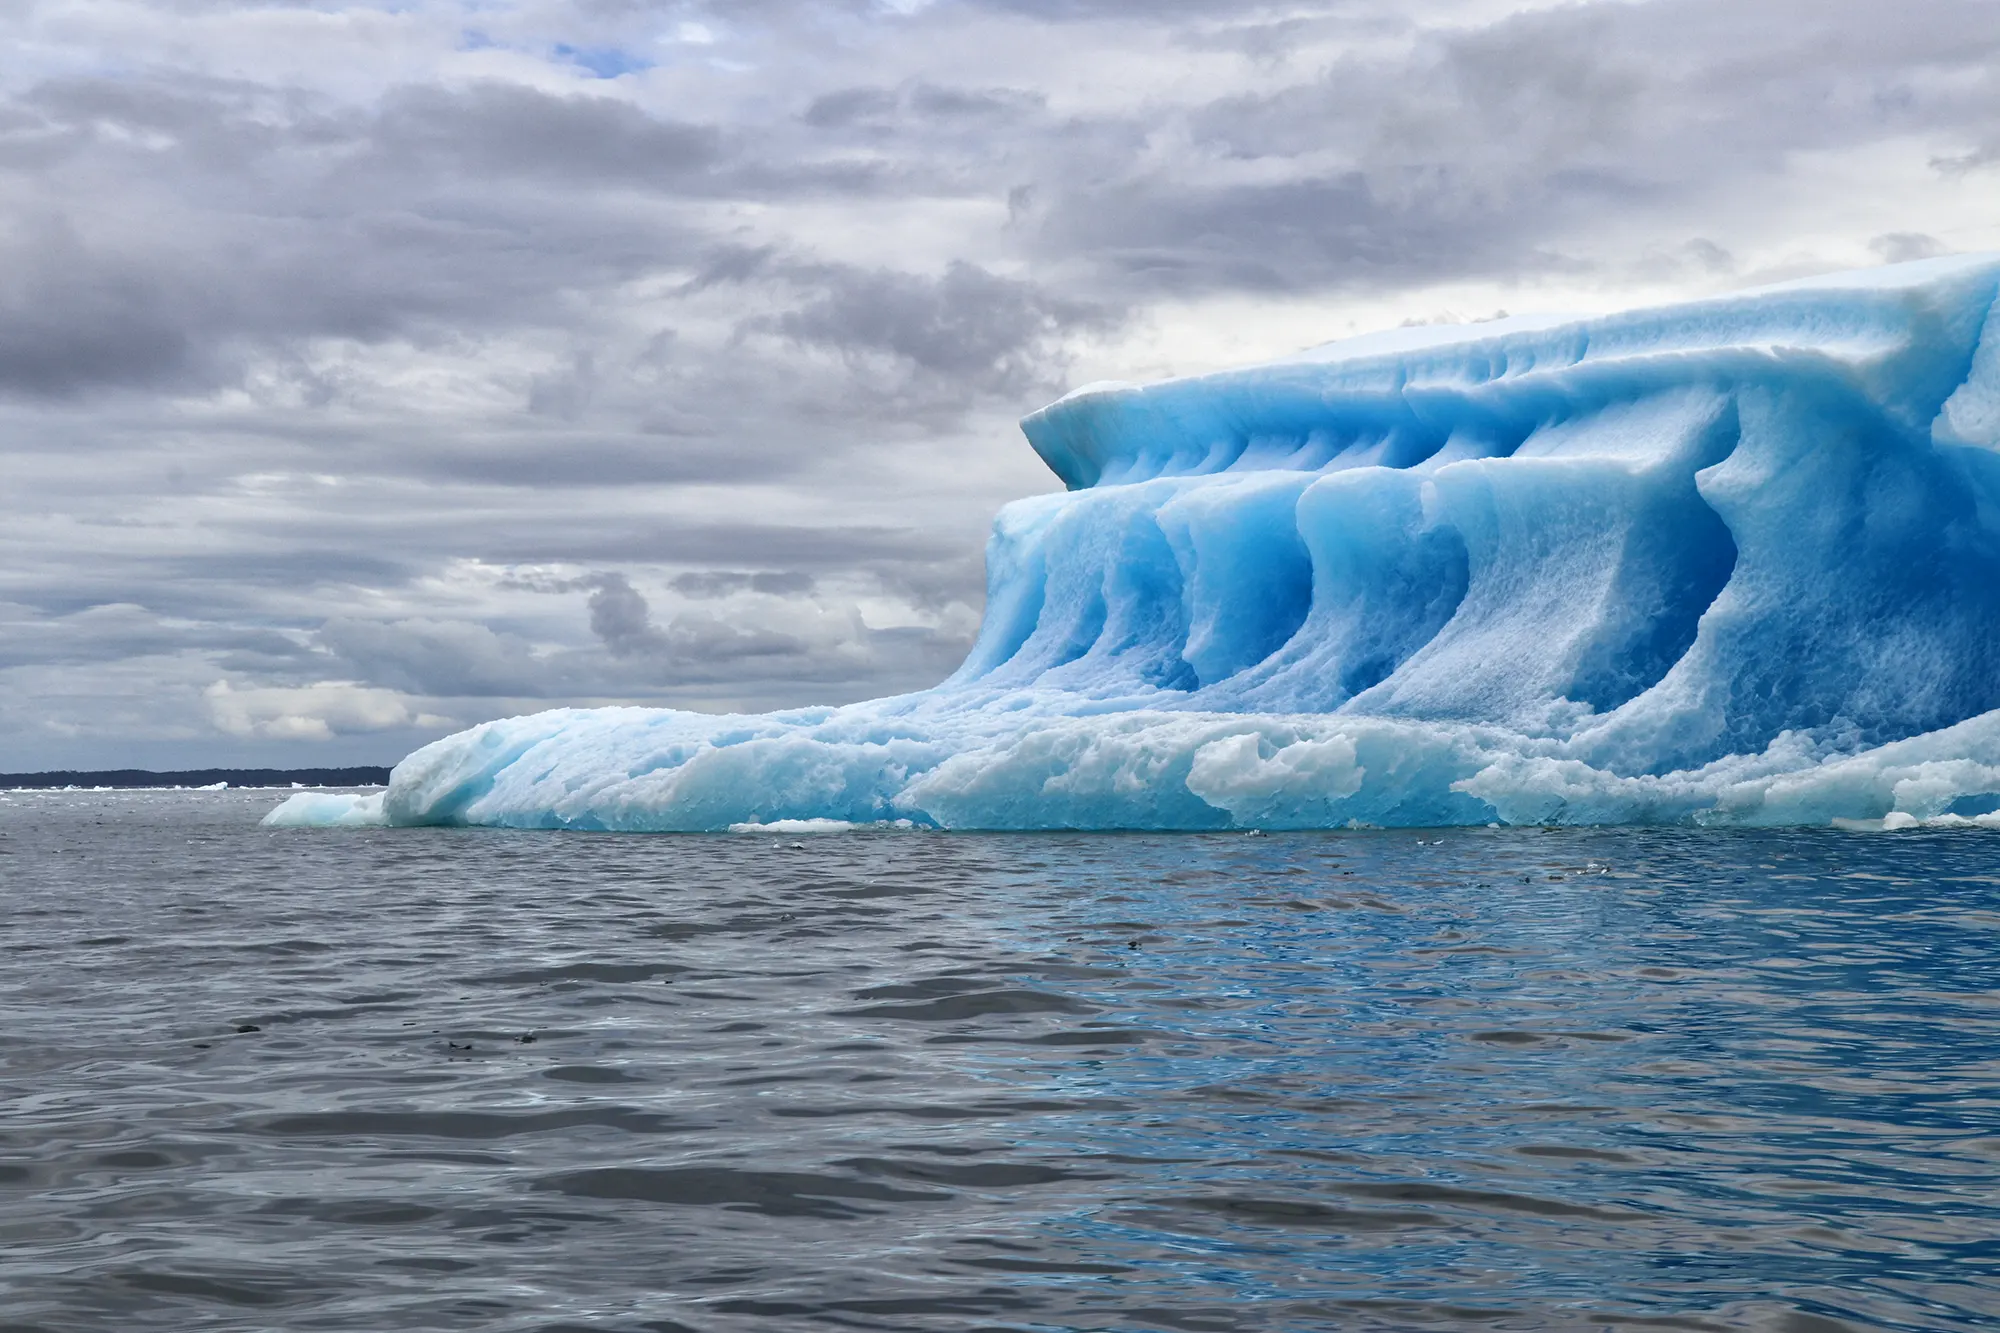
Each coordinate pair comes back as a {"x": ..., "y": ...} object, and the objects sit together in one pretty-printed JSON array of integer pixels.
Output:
[{"x": 436, "y": 1079}]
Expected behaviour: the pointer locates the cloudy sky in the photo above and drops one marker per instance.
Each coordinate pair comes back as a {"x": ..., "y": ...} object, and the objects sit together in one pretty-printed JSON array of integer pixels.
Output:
[{"x": 368, "y": 371}]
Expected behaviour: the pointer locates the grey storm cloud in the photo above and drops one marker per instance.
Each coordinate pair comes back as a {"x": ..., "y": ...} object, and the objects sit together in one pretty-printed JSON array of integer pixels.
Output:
[
  {"x": 498, "y": 130},
  {"x": 620, "y": 616},
  {"x": 883, "y": 107},
  {"x": 347, "y": 350},
  {"x": 838, "y": 110},
  {"x": 435, "y": 658},
  {"x": 709, "y": 583},
  {"x": 967, "y": 326},
  {"x": 1486, "y": 149},
  {"x": 623, "y": 619}
]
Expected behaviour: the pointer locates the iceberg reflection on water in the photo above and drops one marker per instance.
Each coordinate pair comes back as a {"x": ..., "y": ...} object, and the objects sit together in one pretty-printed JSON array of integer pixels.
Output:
[{"x": 1735, "y": 561}]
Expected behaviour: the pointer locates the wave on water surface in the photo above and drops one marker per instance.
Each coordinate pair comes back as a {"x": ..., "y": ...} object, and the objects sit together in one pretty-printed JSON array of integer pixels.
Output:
[{"x": 1735, "y": 561}]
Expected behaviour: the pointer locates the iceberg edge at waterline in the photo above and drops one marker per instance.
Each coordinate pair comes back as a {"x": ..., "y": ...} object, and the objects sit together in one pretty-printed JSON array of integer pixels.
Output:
[{"x": 1735, "y": 561}]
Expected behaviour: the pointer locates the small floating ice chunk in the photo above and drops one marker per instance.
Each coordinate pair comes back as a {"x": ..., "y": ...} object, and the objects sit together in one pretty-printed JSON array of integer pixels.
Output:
[
  {"x": 328, "y": 809},
  {"x": 794, "y": 826}
]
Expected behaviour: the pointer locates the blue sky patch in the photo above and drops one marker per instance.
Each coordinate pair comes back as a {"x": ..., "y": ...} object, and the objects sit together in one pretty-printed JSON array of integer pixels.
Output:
[{"x": 605, "y": 62}]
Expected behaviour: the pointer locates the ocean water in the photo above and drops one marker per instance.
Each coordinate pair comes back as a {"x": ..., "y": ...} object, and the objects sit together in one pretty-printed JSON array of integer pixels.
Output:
[{"x": 1487, "y": 1079}]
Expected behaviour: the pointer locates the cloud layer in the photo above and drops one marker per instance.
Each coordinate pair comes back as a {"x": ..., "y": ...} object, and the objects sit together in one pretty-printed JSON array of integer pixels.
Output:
[{"x": 367, "y": 371}]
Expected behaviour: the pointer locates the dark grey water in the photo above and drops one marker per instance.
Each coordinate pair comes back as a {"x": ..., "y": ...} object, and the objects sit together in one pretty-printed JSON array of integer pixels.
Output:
[{"x": 438, "y": 1080}]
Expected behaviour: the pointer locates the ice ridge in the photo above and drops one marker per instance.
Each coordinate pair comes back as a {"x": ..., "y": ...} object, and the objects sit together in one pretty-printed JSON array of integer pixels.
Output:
[{"x": 1731, "y": 561}]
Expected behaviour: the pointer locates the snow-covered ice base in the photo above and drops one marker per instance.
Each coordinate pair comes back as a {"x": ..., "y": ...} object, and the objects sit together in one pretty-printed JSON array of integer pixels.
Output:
[{"x": 1729, "y": 562}]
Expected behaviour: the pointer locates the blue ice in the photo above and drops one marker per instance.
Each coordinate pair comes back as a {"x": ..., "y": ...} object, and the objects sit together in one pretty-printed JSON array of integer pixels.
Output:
[{"x": 1734, "y": 561}]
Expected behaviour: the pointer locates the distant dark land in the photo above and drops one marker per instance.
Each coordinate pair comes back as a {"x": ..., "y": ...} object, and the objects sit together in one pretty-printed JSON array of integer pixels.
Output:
[{"x": 202, "y": 777}]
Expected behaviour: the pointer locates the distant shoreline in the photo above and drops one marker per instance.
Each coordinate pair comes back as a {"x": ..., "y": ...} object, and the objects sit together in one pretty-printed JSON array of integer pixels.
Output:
[{"x": 139, "y": 778}]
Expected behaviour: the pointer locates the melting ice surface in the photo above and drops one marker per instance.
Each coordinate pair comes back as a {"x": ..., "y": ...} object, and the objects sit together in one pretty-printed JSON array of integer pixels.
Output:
[{"x": 1735, "y": 561}]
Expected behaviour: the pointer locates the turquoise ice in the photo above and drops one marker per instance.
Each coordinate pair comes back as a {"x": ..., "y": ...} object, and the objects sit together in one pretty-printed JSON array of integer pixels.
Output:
[{"x": 1731, "y": 561}]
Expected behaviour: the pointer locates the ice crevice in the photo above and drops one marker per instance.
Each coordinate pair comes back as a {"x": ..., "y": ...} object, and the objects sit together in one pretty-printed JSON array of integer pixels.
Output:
[{"x": 1735, "y": 561}]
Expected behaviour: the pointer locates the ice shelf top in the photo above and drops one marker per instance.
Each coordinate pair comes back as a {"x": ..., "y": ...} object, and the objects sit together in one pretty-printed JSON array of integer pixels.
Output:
[{"x": 1915, "y": 339}]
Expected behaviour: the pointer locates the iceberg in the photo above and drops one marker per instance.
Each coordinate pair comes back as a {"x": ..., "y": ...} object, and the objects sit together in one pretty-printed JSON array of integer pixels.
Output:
[{"x": 1733, "y": 561}]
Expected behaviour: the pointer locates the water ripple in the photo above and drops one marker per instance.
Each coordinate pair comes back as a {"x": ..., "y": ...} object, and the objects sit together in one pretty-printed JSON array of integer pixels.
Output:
[{"x": 436, "y": 1080}]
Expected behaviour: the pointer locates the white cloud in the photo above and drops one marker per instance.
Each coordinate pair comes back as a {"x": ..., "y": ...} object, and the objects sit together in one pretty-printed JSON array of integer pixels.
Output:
[{"x": 315, "y": 712}]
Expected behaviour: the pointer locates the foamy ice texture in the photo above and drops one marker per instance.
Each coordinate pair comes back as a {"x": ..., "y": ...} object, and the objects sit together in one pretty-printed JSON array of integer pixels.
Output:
[{"x": 1729, "y": 562}]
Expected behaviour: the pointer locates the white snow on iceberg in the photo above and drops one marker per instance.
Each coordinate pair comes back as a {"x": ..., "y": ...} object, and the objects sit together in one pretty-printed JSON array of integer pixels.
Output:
[{"x": 1734, "y": 561}]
